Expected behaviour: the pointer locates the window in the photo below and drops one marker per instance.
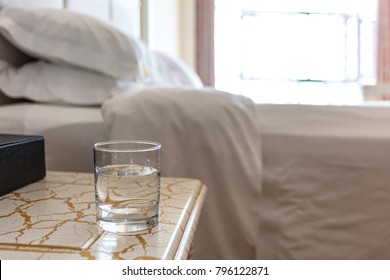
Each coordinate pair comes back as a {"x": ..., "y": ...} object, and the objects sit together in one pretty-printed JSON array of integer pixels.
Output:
[{"x": 287, "y": 51}]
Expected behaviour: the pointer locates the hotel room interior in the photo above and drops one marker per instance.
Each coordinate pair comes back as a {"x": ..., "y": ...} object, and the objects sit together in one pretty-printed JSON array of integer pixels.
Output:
[{"x": 279, "y": 107}]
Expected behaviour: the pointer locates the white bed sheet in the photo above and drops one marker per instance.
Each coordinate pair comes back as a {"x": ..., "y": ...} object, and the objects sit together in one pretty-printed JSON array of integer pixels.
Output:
[
  {"x": 326, "y": 182},
  {"x": 69, "y": 131},
  {"x": 336, "y": 121}
]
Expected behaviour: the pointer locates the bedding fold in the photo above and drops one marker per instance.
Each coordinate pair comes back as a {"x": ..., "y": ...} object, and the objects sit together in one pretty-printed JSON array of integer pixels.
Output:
[{"x": 209, "y": 135}]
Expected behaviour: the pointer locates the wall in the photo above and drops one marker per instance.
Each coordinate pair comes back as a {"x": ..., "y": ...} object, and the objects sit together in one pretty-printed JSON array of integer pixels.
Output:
[{"x": 169, "y": 26}]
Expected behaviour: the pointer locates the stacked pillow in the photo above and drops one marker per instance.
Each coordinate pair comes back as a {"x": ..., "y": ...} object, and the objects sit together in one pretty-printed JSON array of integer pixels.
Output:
[
  {"x": 172, "y": 71},
  {"x": 47, "y": 82},
  {"x": 10, "y": 54},
  {"x": 80, "y": 60}
]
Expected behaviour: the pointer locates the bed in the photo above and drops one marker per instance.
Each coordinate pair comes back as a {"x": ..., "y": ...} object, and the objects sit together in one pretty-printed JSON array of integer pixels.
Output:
[{"x": 285, "y": 181}]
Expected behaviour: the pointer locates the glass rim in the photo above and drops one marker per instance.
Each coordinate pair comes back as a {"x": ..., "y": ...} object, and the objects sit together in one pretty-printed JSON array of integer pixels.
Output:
[{"x": 153, "y": 146}]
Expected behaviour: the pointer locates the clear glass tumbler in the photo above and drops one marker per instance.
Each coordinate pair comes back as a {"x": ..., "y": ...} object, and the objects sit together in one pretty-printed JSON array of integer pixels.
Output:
[{"x": 127, "y": 185}]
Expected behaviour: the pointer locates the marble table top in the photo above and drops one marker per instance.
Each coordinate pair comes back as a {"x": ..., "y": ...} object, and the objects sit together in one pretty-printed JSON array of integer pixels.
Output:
[{"x": 55, "y": 219}]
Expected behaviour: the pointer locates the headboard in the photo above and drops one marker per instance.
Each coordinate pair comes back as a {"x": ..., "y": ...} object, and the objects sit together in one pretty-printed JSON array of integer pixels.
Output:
[{"x": 123, "y": 14}]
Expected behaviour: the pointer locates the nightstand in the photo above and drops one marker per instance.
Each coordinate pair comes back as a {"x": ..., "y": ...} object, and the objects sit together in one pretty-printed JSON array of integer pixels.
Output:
[{"x": 54, "y": 218}]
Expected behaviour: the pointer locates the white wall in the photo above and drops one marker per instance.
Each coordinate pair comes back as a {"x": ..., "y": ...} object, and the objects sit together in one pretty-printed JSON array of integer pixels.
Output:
[
  {"x": 169, "y": 26},
  {"x": 187, "y": 31}
]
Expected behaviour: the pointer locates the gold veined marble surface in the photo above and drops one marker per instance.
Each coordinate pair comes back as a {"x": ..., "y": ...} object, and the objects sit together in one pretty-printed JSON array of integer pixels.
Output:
[{"x": 55, "y": 219}]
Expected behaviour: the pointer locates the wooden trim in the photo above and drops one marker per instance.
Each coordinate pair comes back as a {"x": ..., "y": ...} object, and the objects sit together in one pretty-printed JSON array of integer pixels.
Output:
[{"x": 205, "y": 41}]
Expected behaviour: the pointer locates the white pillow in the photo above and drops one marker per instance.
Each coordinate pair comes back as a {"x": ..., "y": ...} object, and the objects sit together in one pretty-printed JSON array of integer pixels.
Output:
[
  {"x": 73, "y": 38},
  {"x": 11, "y": 54},
  {"x": 45, "y": 82},
  {"x": 173, "y": 71}
]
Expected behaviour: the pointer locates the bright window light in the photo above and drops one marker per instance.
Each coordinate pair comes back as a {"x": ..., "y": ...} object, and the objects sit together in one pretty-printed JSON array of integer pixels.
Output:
[{"x": 317, "y": 52}]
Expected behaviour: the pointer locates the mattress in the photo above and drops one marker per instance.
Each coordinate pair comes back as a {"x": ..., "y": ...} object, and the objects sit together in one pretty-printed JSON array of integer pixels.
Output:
[
  {"x": 326, "y": 177},
  {"x": 369, "y": 120},
  {"x": 69, "y": 132}
]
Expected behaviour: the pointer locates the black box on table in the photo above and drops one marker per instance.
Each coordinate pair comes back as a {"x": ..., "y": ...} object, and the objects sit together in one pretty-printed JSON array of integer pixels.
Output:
[{"x": 22, "y": 161}]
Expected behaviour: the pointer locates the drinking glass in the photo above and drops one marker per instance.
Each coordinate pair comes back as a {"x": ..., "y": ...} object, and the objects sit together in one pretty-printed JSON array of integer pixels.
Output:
[{"x": 127, "y": 185}]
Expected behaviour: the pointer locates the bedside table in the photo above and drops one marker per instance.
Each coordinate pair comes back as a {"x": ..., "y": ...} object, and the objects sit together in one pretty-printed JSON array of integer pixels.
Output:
[{"x": 55, "y": 219}]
